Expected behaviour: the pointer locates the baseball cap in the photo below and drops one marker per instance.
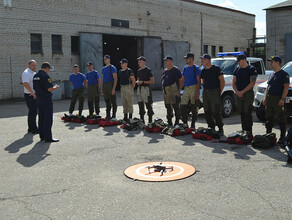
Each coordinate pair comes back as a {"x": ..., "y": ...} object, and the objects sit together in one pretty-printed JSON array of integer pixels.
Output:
[
  {"x": 168, "y": 58},
  {"x": 76, "y": 66},
  {"x": 206, "y": 56},
  {"x": 189, "y": 55},
  {"x": 124, "y": 60},
  {"x": 276, "y": 58},
  {"x": 106, "y": 57},
  {"x": 141, "y": 58},
  {"x": 90, "y": 63},
  {"x": 241, "y": 57}
]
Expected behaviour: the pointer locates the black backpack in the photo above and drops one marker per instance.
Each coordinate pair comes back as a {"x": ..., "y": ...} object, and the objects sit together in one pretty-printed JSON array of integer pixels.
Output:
[{"x": 265, "y": 141}]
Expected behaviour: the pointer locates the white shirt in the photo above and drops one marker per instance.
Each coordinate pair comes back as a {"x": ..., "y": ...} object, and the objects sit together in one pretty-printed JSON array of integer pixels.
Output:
[{"x": 27, "y": 76}]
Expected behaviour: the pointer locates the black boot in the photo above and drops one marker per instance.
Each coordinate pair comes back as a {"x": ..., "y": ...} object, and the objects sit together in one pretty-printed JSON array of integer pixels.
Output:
[
  {"x": 108, "y": 115},
  {"x": 114, "y": 115},
  {"x": 176, "y": 121},
  {"x": 142, "y": 118},
  {"x": 130, "y": 116},
  {"x": 169, "y": 121},
  {"x": 150, "y": 119},
  {"x": 221, "y": 131},
  {"x": 125, "y": 117}
]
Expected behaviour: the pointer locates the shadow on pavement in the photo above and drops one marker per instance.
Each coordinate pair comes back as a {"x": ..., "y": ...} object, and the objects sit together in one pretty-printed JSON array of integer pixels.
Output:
[
  {"x": 154, "y": 137},
  {"x": 14, "y": 147},
  {"x": 111, "y": 130},
  {"x": 35, "y": 155}
]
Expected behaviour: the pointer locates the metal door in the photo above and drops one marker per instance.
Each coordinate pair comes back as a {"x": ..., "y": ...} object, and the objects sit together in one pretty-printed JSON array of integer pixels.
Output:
[
  {"x": 176, "y": 49},
  {"x": 91, "y": 50},
  {"x": 152, "y": 50},
  {"x": 288, "y": 56}
]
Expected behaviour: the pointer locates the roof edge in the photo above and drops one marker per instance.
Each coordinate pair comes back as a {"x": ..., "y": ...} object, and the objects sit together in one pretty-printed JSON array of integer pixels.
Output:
[{"x": 216, "y": 6}]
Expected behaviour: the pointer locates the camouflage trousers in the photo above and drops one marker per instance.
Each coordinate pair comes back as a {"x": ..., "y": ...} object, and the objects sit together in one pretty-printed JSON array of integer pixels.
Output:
[{"x": 127, "y": 93}]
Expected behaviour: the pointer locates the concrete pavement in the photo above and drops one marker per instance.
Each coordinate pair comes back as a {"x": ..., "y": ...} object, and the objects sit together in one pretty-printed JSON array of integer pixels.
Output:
[{"x": 81, "y": 177}]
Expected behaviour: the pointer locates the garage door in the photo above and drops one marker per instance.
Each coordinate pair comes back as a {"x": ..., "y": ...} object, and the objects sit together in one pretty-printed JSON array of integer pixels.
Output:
[
  {"x": 176, "y": 49},
  {"x": 91, "y": 50},
  {"x": 152, "y": 50}
]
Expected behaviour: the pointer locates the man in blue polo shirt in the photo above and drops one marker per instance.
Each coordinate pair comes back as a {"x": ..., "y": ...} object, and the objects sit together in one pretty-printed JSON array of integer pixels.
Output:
[
  {"x": 78, "y": 82},
  {"x": 244, "y": 79},
  {"x": 278, "y": 86},
  {"x": 109, "y": 83},
  {"x": 191, "y": 81},
  {"x": 170, "y": 82},
  {"x": 93, "y": 79}
]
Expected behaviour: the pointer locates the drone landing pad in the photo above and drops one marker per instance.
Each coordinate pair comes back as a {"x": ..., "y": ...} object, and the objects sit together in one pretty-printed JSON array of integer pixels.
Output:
[{"x": 146, "y": 171}]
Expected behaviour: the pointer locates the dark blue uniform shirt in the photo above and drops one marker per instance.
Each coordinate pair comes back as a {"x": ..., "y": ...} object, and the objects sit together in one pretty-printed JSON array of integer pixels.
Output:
[
  {"x": 171, "y": 76},
  {"x": 41, "y": 83},
  {"x": 124, "y": 76},
  {"x": 243, "y": 76},
  {"x": 211, "y": 77},
  {"x": 144, "y": 75},
  {"x": 276, "y": 82}
]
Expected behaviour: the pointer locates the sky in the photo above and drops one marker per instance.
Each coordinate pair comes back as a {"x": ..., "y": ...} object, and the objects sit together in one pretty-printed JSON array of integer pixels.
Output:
[{"x": 251, "y": 6}]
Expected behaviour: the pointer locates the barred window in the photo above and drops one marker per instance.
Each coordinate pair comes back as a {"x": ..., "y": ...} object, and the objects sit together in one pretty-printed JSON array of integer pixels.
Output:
[
  {"x": 36, "y": 43},
  {"x": 57, "y": 44}
]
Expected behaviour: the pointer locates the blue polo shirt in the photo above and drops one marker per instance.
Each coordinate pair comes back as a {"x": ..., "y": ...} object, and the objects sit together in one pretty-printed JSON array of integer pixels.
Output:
[
  {"x": 77, "y": 80},
  {"x": 171, "y": 76},
  {"x": 107, "y": 72},
  {"x": 92, "y": 77},
  {"x": 243, "y": 76},
  {"x": 276, "y": 82},
  {"x": 190, "y": 75},
  {"x": 41, "y": 83}
]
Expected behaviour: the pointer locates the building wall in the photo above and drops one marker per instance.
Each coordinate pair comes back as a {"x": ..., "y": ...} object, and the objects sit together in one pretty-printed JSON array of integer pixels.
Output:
[
  {"x": 278, "y": 25},
  {"x": 169, "y": 19}
]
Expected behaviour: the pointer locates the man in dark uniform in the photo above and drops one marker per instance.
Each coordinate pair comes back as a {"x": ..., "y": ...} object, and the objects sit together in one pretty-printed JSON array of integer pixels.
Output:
[
  {"x": 244, "y": 79},
  {"x": 42, "y": 84},
  {"x": 144, "y": 95},
  {"x": 78, "y": 82},
  {"x": 127, "y": 82},
  {"x": 213, "y": 83},
  {"x": 170, "y": 82},
  {"x": 278, "y": 86},
  {"x": 109, "y": 83},
  {"x": 191, "y": 81},
  {"x": 93, "y": 81}
]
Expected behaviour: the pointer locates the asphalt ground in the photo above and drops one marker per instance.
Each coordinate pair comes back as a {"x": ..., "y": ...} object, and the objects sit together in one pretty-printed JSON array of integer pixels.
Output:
[{"x": 81, "y": 177}]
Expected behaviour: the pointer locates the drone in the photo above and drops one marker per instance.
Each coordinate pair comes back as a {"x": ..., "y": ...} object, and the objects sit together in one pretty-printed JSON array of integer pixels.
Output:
[{"x": 159, "y": 168}]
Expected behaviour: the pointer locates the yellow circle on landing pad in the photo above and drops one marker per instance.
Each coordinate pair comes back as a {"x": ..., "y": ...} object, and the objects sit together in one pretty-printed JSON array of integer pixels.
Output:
[{"x": 174, "y": 171}]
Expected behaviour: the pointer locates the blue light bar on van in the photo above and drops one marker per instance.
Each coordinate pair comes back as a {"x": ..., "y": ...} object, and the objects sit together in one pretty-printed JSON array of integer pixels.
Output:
[{"x": 225, "y": 54}]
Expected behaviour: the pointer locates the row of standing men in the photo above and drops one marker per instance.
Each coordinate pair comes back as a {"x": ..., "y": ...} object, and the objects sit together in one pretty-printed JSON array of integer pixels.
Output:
[{"x": 173, "y": 81}]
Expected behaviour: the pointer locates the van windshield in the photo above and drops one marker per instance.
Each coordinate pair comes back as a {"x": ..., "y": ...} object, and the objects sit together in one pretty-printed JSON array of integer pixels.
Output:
[
  {"x": 227, "y": 66},
  {"x": 288, "y": 68}
]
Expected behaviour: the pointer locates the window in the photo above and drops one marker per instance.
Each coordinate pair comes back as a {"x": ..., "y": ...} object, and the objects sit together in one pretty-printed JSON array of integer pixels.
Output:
[
  {"x": 36, "y": 43},
  {"x": 220, "y": 49},
  {"x": 205, "y": 48},
  {"x": 235, "y": 49},
  {"x": 258, "y": 66},
  {"x": 56, "y": 44},
  {"x": 213, "y": 51},
  {"x": 75, "y": 44}
]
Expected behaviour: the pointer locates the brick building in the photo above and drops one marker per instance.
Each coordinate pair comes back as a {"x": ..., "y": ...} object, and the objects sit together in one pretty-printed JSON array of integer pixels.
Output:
[
  {"x": 279, "y": 30},
  {"x": 65, "y": 32}
]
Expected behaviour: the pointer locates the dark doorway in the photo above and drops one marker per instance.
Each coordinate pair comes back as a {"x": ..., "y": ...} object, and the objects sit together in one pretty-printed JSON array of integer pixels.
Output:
[{"x": 119, "y": 47}]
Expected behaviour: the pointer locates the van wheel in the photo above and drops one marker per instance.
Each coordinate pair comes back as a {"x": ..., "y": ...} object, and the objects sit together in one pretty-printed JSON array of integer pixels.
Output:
[
  {"x": 227, "y": 103},
  {"x": 261, "y": 113}
]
